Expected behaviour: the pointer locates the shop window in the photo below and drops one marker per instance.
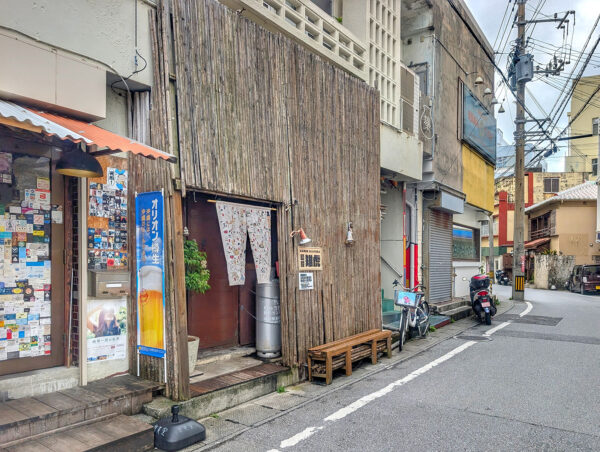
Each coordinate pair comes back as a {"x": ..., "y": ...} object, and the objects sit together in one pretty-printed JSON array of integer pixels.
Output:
[
  {"x": 25, "y": 228},
  {"x": 551, "y": 184},
  {"x": 465, "y": 243},
  {"x": 595, "y": 167}
]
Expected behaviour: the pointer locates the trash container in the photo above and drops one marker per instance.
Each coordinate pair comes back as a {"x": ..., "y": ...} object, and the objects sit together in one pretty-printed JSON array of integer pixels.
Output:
[{"x": 268, "y": 320}]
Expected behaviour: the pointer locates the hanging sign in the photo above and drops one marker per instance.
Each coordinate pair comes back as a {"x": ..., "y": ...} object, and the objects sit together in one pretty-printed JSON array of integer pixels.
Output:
[
  {"x": 309, "y": 258},
  {"x": 149, "y": 227}
]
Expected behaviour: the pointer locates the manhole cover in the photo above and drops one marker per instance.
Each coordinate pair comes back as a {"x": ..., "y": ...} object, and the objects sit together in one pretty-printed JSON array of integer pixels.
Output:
[{"x": 473, "y": 338}]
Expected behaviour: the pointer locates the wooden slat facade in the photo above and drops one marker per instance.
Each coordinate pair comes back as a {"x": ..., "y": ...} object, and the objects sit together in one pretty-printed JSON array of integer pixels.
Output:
[{"x": 261, "y": 117}]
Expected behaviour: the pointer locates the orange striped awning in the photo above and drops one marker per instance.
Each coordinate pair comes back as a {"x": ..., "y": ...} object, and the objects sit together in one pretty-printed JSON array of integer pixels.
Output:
[{"x": 103, "y": 140}]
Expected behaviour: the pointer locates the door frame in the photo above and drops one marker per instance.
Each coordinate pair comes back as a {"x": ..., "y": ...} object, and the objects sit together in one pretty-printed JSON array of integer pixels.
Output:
[{"x": 57, "y": 247}]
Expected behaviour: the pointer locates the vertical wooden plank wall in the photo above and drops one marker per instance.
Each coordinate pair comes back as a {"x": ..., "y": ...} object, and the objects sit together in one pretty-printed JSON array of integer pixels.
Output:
[
  {"x": 154, "y": 175},
  {"x": 262, "y": 117}
]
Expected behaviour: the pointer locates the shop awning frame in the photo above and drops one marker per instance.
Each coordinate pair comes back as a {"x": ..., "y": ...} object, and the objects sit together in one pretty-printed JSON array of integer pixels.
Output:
[{"x": 99, "y": 140}]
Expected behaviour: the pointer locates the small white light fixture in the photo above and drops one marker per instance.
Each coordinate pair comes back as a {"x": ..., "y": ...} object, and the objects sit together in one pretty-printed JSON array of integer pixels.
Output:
[
  {"x": 494, "y": 101},
  {"x": 487, "y": 92},
  {"x": 501, "y": 109},
  {"x": 479, "y": 80},
  {"x": 304, "y": 240},
  {"x": 349, "y": 237}
]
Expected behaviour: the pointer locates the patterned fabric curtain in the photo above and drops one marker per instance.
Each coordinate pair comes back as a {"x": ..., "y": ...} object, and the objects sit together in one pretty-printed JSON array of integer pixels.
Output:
[
  {"x": 259, "y": 229},
  {"x": 236, "y": 221}
]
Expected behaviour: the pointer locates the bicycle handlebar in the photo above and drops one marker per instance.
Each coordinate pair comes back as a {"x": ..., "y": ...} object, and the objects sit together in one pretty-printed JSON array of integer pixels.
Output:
[{"x": 406, "y": 289}]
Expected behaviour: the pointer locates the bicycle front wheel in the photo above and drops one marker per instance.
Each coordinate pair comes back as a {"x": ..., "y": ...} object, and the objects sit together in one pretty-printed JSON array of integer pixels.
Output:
[
  {"x": 403, "y": 326},
  {"x": 423, "y": 319}
]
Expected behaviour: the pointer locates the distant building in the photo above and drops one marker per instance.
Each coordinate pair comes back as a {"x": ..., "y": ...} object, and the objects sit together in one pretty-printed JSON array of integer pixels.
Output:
[
  {"x": 539, "y": 186},
  {"x": 566, "y": 223},
  {"x": 583, "y": 152}
]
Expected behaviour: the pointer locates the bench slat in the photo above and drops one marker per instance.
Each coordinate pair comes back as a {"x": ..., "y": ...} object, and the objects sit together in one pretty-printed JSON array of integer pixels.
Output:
[{"x": 340, "y": 341}]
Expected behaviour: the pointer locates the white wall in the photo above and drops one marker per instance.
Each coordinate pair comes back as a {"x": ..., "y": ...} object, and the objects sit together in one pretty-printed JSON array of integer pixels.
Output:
[
  {"x": 401, "y": 153},
  {"x": 464, "y": 270},
  {"x": 392, "y": 247},
  {"x": 101, "y": 30}
]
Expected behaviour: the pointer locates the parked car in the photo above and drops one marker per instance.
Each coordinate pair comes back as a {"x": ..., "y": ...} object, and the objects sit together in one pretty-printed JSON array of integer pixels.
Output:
[{"x": 584, "y": 278}]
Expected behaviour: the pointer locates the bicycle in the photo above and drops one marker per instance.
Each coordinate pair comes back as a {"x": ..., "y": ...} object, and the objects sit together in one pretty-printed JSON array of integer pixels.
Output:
[{"x": 414, "y": 312}]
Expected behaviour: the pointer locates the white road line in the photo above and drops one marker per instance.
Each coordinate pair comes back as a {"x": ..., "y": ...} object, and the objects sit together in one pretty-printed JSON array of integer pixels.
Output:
[
  {"x": 343, "y": 412},
  {"x": 527, "y": 310},
  {"x": 306, "y": 433},
  {"x": 358, "y": 404},
  {"x": 496, "y": 328}
]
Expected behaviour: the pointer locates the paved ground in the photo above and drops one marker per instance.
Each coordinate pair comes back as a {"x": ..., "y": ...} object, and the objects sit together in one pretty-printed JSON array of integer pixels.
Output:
[{"x": 527, "y": 382}]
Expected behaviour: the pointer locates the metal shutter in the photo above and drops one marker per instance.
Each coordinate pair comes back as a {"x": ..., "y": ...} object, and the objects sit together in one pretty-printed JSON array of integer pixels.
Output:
[{"x": 440, "y": 256}]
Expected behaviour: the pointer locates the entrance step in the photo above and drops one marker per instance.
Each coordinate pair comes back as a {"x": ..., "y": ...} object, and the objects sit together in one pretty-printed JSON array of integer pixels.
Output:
[
  {"x": 459, "y": 313},
  {"x": 30, "y": 416},
  {"x": 211, "y": 356},
  {"x": 109, "y": 433},
  {"x": 443, "y": 308},
  {"x": 222, "y": 392}
]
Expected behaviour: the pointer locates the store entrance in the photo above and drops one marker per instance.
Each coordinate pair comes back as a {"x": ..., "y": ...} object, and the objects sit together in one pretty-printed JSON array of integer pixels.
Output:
[
  {"x": 224, "y": 315},
  {"x": 32, "y": 307}
]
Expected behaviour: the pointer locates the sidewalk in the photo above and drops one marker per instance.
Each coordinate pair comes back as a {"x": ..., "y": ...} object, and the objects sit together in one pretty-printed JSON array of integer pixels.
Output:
[{"x": 223, "y": 426}]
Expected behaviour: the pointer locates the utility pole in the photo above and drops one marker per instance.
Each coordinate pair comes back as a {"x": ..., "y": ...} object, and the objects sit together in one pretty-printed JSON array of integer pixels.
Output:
[{"x": 519, "y": 221}]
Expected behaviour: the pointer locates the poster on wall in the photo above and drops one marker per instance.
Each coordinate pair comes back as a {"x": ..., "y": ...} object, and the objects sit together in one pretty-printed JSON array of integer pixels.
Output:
[
  {"x": 25, "y": 257},
  {"x": 149, "y": 231},
  {"x": 106, "y": 330}
]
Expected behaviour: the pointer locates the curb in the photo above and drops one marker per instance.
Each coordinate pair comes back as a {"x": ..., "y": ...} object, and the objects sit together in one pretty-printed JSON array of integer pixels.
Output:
[{"x": 505, "y": 306}]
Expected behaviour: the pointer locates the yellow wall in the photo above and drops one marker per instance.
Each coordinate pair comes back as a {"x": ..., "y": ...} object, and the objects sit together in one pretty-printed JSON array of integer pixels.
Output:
[
  {"x": 576, "y": 230},
  {"x": 478, "y": 180},
  {"x": 583, "y": 124}
]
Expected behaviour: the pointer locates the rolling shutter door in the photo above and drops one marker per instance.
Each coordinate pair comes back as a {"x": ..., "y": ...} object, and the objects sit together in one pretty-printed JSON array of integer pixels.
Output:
[{"x": 440, "y": 256}]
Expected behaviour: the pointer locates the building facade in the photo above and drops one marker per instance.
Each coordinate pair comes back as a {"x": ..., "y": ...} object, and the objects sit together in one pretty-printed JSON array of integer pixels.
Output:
[
  {"x": 444, "y": 45},
  {"x": 64, "y": 100},
  {"x": 539, "y": 186},
  {"x": 583, "y": 152},
  {"x": 567, "y": 223}
]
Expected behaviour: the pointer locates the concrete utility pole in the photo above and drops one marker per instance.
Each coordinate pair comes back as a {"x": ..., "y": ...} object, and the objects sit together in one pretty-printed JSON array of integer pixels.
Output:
[{"x": 519, "y": 222}]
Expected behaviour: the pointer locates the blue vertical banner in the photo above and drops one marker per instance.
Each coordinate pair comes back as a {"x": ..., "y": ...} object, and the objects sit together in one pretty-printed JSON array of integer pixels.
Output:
[{"x": 150, "y": 258}]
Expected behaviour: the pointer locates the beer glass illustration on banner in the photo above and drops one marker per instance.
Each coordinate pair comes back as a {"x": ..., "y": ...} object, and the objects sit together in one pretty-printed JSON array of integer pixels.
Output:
[{"x": 150, "y": 302}]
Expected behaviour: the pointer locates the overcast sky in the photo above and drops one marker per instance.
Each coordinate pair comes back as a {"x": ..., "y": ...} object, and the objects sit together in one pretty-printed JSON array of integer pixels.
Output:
[{"x": 489, "y": 15}]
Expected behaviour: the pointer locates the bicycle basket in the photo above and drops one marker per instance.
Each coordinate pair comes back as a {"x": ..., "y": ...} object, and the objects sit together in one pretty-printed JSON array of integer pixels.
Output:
[{"x": 406, "y": 299}]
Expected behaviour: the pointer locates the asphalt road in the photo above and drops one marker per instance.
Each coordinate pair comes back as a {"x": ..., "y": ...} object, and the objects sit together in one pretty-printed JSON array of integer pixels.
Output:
[{"x": 529, "y": 383}]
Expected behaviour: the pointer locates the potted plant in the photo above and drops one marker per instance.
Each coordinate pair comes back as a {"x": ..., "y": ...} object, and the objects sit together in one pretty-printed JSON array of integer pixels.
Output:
[{"x": 197, "y": 275}]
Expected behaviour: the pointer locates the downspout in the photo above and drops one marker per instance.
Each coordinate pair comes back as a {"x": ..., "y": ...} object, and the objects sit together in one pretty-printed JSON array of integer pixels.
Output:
[
  {"x": 404, "y": 266},
  {"x": 412, "y": 264}
]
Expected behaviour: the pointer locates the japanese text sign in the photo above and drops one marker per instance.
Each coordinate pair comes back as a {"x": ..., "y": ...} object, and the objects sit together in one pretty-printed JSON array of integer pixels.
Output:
[
  {"x": 310, "y": 258},
  {"x": 149, "y": 221}
]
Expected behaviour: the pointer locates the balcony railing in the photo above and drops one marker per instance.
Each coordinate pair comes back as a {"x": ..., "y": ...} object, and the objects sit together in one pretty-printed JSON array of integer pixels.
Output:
[
  {"x": 303, "y": 19},
  {"x": 540, "y": 233}
]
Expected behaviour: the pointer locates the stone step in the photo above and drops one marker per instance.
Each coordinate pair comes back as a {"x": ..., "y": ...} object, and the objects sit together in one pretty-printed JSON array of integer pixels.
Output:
[
  {"x": 113, "y": 433},
  {"x": 223, "y": 392},
  {"x": 30, "y": 416},
  {"x": 459, "y": 313},
  {"x": 443, "y": 308}
]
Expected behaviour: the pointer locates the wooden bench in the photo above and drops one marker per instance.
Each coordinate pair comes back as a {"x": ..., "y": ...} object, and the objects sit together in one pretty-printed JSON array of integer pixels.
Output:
[{"x": 324, "y": 359}]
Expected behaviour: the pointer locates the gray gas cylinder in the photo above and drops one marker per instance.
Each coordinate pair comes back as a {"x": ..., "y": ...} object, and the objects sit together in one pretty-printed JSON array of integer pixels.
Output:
[{"x": 268, "y": 320}]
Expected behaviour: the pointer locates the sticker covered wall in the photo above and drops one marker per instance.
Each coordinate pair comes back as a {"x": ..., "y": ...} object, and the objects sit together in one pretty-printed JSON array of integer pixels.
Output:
[
  {"x": 107, "y": 231},
  {"x": 25, "y": 265}
]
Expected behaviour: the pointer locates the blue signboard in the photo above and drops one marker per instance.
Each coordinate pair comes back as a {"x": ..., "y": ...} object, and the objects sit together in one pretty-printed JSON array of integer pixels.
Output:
[
  {"x": 479, "y": 127},
  {"x": 149, "y": 228}
]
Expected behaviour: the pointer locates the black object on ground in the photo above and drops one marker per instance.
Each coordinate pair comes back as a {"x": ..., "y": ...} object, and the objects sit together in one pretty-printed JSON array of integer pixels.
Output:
[{"x": 177, "y": 432}]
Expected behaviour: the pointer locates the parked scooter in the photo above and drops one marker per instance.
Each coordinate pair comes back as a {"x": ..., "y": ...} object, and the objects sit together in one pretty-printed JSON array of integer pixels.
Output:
[
  {"x": 502, "y": 278},
  {"x": 481, "y": 298}
]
